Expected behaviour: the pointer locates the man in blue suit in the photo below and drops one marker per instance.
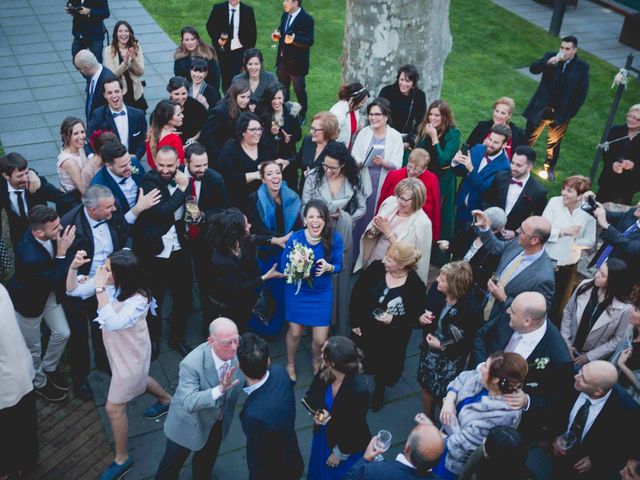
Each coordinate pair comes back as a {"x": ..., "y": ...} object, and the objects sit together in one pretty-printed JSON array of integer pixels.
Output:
[
  {"x": 479, "y": 169},
  {"x": 269, "y": 414},
  {"x": 88, "y": 65},
  {"x": 128, "y": 123}
]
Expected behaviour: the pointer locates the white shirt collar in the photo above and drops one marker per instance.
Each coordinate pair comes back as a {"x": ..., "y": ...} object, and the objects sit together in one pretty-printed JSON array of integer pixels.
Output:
[
  {"x": 115, "y": 177},
  {"x": 594, "y": 402},
  {"x": 534, "y": 256},
  {"x": 123, "y": 109},
  {"x": 11, "y": 188},
  {"x": 95, "y": 77},
  {"x": 252, "y": 388},
  {"x": 533, "y": 338},
  {"x": 524, "y": 179},
  {"x": 218, "y": 361},
  {"x": 403, "y": 460},
  {"x": 92, "y": 222},
  {"x": 47, "y": 244}
]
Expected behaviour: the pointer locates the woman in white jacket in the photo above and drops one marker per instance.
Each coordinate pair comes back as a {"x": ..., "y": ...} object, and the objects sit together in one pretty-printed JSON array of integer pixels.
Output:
[{"x": 352, "y": 98}]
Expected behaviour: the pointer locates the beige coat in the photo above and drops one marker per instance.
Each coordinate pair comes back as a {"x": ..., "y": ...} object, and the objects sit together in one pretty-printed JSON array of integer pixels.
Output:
[
  {"x": 605, "y": 334},
  {"x": 135, "y": 68}
]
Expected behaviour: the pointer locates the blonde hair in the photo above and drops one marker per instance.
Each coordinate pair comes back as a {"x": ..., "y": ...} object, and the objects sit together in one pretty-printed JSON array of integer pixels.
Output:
[
  {"x": 459, "y": 278},
  {"x": 508, "y": 101},
  {"x": 420, "y": 157},
  {"x": 405, "y": 254},
  {"x": 414, "y": 186},
  {"x": 634, "y": 107},
  {"x": 329, "y": 124}
]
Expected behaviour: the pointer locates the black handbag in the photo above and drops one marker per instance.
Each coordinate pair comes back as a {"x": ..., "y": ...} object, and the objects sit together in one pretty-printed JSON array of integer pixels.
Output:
[{"x": 265, "y": 307}]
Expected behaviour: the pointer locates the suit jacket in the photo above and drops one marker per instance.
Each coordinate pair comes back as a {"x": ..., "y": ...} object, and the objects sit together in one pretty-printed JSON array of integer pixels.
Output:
[
  {"x": 18, "y": 225},
  {"x": 387, "y": 470},
  {"x": 91, "y": 26},
  {"x": 213, "y": 193},
  {"x": 98, "y": 99},
  {"x": 102, "y": 177},
  {"x": 152, "y": 224},
  {"x": 103, "y": 120},
  {"x": 118, "y": 228},
  {"x": 37, "y": 274},
  {"x": 483, "y": 263},
  {"x": 193, "y": 412},
  {"x": 476, "y": 182},
  {"x": 532, "y": 199},
  {"x": 219, "y": 22},
  {"x": 565, "y": 95},
  {"x": 482, "y": 129},
  {"x": 296, "y": 56},
  {"x": 268, "y": 420},
  {"x": 625, "y": 248}
]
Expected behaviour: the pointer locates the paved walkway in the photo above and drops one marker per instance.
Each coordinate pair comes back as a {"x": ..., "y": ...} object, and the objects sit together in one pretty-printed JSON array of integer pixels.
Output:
[{"x": 596, "y": 27}]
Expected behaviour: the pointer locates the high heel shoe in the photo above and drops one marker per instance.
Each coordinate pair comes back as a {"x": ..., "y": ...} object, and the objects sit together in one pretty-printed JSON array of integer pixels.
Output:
[{"x": 291, "y": 371}]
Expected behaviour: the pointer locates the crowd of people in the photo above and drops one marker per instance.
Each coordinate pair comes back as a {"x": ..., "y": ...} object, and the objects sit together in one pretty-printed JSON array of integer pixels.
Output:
[{"x": 530, "y": 331}]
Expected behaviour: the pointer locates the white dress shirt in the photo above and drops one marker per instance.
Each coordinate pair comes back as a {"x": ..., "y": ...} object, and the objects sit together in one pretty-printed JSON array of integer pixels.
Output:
[
  {"x": 94, "y": 80},
  {"x": 102, "y": 243},
  {"x": 216, "y": 392},
  {"x": 130, "y": 190},
  {"x": 235, "y": 41},
  {"x": 252, "y": 388},
  {"x": 290, "y": 20},
  {"x": 483, "y": 163},
  {"x": 122, "y": 125},
  {"x": 170, "y": 239},
  {"x": 513, "y": 193},
  {"x": 47, "y": 244},
  {"x": 527, "y": 341},
  {"x": 197, "y": 183},
  {"x": 594, "y": 410},
  {"x": 13, "y": 198},
  {"x": 403, "y": 460}
]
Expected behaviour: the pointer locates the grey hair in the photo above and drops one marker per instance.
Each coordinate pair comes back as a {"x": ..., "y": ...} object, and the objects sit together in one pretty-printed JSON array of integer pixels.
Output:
[
  {"x": 85, "y": 58},
  {"x": 94, "y": 194},
  {"x": 220, "y": 322},
  {"x": 497, "y": 218}
]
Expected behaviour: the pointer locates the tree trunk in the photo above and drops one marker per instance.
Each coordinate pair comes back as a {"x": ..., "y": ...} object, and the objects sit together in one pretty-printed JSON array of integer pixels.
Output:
[{"x": 382, "y": 35}]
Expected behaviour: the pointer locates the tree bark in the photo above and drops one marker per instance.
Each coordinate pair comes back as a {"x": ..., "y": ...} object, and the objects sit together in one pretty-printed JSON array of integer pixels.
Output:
[{"x": 382, "y": 35}]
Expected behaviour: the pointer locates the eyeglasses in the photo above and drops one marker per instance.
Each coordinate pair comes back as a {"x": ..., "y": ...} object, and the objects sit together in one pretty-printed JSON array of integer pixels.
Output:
[
  {"x": 329, "y": 168},
  {"x": 375, "y": 114},
  {"x": 255, "y": 130},
  {"x": 633, "y": 117},
  {"x": 407, "y": 200},
  {"x": 314, "y": 129},
  {"x": 228, "y": 343},
  {"x": 520, "y": 231}
]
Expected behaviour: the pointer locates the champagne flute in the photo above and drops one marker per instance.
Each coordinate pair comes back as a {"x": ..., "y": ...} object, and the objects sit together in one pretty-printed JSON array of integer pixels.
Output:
[
  {"x": 192, "y": 211},
  {"x": 567, "y": 440},
  {"x": 381, "y": 443}
]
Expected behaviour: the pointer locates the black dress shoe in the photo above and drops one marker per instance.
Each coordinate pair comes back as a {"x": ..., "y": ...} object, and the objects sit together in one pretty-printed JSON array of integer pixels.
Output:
[
  {"x": 83, "y": 391},
  {"x": 181, "y": 347},
  {"x": 378, "y": 398},
  {"x": 155, "y": 349},
  {"x": 52, "y": 393}
]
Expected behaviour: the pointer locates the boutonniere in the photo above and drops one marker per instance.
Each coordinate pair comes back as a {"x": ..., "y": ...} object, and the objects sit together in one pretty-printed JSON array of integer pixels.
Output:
[
  {"x": 135, "y": 170},
  {"x": 540, "y": 363}
]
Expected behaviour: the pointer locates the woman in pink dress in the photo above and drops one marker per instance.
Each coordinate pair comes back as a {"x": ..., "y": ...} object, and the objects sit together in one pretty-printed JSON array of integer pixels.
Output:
[{"x": 124, "y": 298}]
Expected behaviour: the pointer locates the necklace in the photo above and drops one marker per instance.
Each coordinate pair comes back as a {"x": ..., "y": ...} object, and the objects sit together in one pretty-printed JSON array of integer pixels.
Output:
[
  {"x": 312, "y": 238},
  {"x": 402, "y": 275}
]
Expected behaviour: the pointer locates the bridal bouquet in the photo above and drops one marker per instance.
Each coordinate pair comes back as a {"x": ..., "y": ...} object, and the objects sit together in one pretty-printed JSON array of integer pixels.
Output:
[{"x": 299, "y": 265}]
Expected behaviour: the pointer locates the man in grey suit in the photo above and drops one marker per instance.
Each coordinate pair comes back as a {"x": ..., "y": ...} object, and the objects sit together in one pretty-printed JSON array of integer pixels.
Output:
[
  {"x": 524, "y": 265},
  {"x": 202, "y": 408}
]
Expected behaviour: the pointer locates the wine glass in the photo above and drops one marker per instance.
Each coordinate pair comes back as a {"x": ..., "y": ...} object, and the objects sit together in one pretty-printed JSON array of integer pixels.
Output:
[
  {"x": 381, "y": 442},
  {"x": 224, "y": 37},
  {"x": 567, "y": 440},
  {"x": 275, "y": 123},
  {"x": 275, "y": 36},
  {"x": 192, "y": 211}
]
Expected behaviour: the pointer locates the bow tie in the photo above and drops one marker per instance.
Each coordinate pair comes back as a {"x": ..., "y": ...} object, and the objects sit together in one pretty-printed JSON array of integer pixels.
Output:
[
  {"x": 99, "y": 223},
  {"x": 118, "y": 114},
  {"x": 172, "y": 183},
  {"x": 513, "y": 181}
]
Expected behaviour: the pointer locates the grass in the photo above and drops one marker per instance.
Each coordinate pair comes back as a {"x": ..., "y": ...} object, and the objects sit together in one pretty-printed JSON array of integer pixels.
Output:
[{"x": 489, "y": 45}]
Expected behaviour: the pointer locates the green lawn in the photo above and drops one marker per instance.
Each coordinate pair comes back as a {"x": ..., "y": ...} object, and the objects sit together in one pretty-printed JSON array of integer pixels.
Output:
[{"x": 489, "y": 44}]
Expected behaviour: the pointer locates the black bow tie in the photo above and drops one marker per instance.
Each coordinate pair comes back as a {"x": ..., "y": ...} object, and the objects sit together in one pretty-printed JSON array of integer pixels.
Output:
[
  {"x": 99, "y": 223},
  {"x": 118, "y": 114}
]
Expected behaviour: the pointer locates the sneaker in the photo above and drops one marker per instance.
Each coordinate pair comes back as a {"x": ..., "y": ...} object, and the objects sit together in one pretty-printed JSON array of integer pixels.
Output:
[
  {"x": 83, "y": 391},
  {"x": 58, "y": 379},
  {"x": 156, "y": 411},
  {"x": 51, "y": 392},
  {"x": 115, "y": 471}
]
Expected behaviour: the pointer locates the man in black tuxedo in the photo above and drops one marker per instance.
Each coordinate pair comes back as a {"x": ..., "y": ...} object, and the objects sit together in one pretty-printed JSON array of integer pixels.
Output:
[
  {"x": 561, "y": 93},
  {"x": 88, "y": 25},
  {"x": 621, "y": 235},
  {"x": 96, "y": 74},
  {"x": 526, "y": 331},
  {"x": 20, "y": 190},
  {"x": 208, "y": 187},
  {"x": 516, "y": 191},
  {"x": 159, "y": 240},
  {"x": 128, "y": 123},
  {"x": 598, "y": 414},
  {"x": 268, "y": 416},
  {"x": 100, "y": 231},
  {"x": 37, "y": 289},
  {"x": 292, "y": 61},
  {"x": 238, "y": 21}
]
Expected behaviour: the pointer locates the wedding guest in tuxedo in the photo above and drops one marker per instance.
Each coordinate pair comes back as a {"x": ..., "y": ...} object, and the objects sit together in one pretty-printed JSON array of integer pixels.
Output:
[
  {"x": 124, "y": 57},
  {"x": 72, "y": 161},
  {"x": 192, "y": 46},
  {"x": 121, "y": 287},
  {"x": 503, "y": 109},
  {"x": 127, "y": 122},
  {"x": 199, "y": 88},
  {"x": 268, "y": 415},
  {"x": 452, "y": 318},
  {"x": 572, "y": 230},
  {"x": 194, "y": 114},
  {"x": 95, "y": 74},
  {"x": 237, "y": 21},
  {"x": 294, "y": 48},
  {"x": 385, "y": 302},
  {"x": 203, "y": 405},
  {"x": 337, "y": 182},
  {"x": 20, "y": 190},
  {"x": 222, "y": 119},
  {"x": 274, "y": 213},
  {"x": 88, "y": 25},
  {"x": 254, "y": 73},
  {"x": 158, "y": 238},
  {"x": 19, "y": 453},
  {"x": 100, "y": 231},
  {"x": 338, "y": 389},
  {"x": 351, "y": 99},
  {"x": 37, "y": 290},
  {"x": 166, "y": 119},
  {"x": 283, "y": 130}
]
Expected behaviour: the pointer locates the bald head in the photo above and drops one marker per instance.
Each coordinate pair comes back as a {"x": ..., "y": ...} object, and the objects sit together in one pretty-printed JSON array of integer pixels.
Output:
[
  {"x": 527, "y": 312},
  {"x": 596, "y": 378},
  {"x": 221, "y": 326},
  {"x": 86, "y": 62},
  {"x": 535, "y": 305},
  {"x": 534, "y": 232},
  {"x": 424, "y": 447}
]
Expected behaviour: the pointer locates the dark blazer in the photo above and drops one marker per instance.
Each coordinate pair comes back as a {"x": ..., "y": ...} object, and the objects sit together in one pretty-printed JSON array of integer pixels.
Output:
[
  {"x": 152, "y": 224},
  {"x": 483, "y": 263},
  {"x": 546, "y": 387},
  {"x": 92, "y": 26},
  {"x": 483, "y": 127},
  {"x": 406, "y": 111},
  {"x": 387, "y": 470},
  {"x": 296, "y": 55},
  {"x": 268, "y": 420},
  {"x": 347, "y": 428},
  {"x": 565, "y": 95},
  {"x": 624, "y": 248},
  {"x": 620, "y": 187},
  {"x": 17, "y": 225},
  {"x": 103, "y": 120},
  {"x": 37, "y": 274},
  {"x": 213, "y": 193},
  {"x": 531, "y": 201},
  {"x": 118, "y": 228},
  {"x": 98, "y": 99},
  {"x": 219, "y": 22},
  {"x": 303, "y": 160},
  {"x": 103, "y": 178},
  {"x": 215, "y": 132}
]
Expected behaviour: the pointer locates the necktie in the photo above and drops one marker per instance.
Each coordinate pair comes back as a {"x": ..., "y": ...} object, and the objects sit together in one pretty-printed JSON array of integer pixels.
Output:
[
  {"x": 514, "y": 341},
  {"x": 99, "y": 223},
  {"x": 486, "y": 157},
  {"x": 194, "y": 230},
  {"x": 118, "y": 114},
  {"x": 577, "y": 427},
  {"x": 513, "y": 181},
  {"x": 21, "y": 210},
  {"x": 609, "y": 248},
  {"x": 233, "y": 15},
  {"x": 286, "y": 29},
  {"x": 505, "y": 277},
  {"x": 92, "y": 87},
  {"x": 224, "y": 368}
]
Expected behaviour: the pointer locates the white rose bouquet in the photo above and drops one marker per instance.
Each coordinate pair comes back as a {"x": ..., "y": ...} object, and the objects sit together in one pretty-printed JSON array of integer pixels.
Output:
[{"x": 299, "y": 265}]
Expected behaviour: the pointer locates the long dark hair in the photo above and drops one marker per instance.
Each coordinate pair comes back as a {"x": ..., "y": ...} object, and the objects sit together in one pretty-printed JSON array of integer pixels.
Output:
[
  {"x": 238, "y": 87},
  {"x": 448, "y": 121},
  {"x": 203, "y": 49},
  {"x": 265, "y": 102},
  {"x": 132, "y": 42},
  {"x": 327, "y": 231},
  {"x": 226, "y": 230},
  {"x": 340, "y": 354},
  {"x": 339, "y": 152},
  {"x": 129, "y": 277},
  {"x": 618, "y": 284},
  {"x": 161, "y": 116},
  {"x": 353, "y": 93}
]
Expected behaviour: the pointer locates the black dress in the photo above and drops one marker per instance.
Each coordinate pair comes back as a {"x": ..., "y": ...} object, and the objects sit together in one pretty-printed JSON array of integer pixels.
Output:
[
  {"x": 304, "y": 159},
  {"x": 129, "y": 99},
  {"x": 483, "y": 263},
  {"x": 217, "y": 130},
  {"x": 195, "y": 115},
  {"x": 620, "y": 187},
  {"x": 286, "y": 150},
  {"x": 407, "y": 111},
  {"x": 182, "y": 68}
]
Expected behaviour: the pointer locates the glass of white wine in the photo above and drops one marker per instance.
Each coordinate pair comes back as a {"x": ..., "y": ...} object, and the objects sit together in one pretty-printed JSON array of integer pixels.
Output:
[
  {"x": 381, "y": 443},
  {"x": 192, "y": 211}
]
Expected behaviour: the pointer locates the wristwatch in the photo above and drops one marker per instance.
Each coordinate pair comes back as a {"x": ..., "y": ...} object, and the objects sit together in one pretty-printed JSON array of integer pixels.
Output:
[{"x": 100, "y": 289}]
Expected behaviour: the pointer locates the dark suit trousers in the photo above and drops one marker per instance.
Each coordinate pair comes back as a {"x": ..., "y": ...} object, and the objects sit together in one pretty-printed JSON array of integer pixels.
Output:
[
  {"x": 200, "y": 256},
  {"x": 565, "y": 282},
  {"x": 230, "y": 65},
  {"x": 173, "y": 274},
  {"x": 285, "y": 77},
  {"x": 203, "y": 460},
  {"x": 95, "y": 46},
  {"x": 554, "y": 137},
  {"x": 80, "y": 314},
  {"x": 19, "y": 438}
]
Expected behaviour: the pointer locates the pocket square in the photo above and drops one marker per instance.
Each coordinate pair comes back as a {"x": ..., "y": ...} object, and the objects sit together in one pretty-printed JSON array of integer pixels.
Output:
[{"x": 136, "y": 134}]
